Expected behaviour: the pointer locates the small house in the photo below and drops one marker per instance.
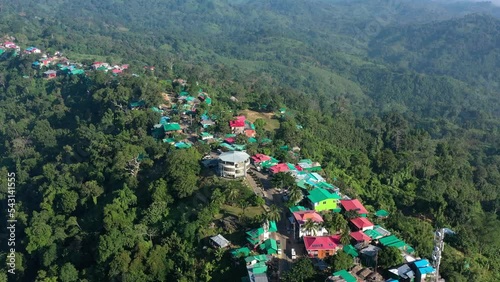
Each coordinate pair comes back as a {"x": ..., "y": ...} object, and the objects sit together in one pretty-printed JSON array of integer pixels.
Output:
[
  {"x": 219, "y": 242},
  {"x": 172, "y": 127},
  {"x": 238, "y": 125},
  {"x": 301, "y": 217},
  {"x": 50, "y": 74},
  {"x": 360, "y": 237},
  {"x": 354, "y": 205},
  {"x": 362, "y": 224}
]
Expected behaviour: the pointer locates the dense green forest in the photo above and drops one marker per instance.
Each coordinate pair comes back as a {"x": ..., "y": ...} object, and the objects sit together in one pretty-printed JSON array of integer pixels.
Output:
[{"x": 398, "y": 100}]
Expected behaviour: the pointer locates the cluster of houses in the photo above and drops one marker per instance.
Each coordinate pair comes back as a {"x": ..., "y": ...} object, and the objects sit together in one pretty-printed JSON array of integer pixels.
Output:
[
  {"x": 56, "y": 64},
  {"x": 258, "y": 254},
  {"x": 366, "y": 239},
  {"x": 9, "y": 47}
]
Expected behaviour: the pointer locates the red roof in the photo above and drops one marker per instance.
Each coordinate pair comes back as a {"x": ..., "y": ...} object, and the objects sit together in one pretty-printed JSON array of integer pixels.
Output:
[
  {"x": 116, "y": 71},
  {"x": 124, "y": 67},
  {"x": 360, "y": 236},
  {"x": 97, "y": 63},
  {"x": 239, "y": 122},
  {"x": 230, "y": 140},
  {"x": 260, "y": 158},
  {"x": 298, "y": 167},
  {"x": 303, "y": 216},
  {"x": 314, "y": 243},
  {"x": 250, "y": 132},
  {"x": 282, "y": 167},
  {"x": 361, "y": 222},
  {"x": 353, "y": 205}
]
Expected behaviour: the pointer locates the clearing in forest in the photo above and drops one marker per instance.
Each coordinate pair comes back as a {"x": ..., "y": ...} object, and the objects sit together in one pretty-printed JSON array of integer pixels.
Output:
[{"x": 269, "y": 118}]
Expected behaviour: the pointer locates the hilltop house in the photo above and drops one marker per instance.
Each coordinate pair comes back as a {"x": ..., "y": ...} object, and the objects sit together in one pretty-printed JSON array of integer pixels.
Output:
[
  {"x": 323, "y": 199},
  {"x": 308, "y": 165},
  {"x": 172, "y": 127},
  {"x": 321, "y": 246},
  {"x": 100, "y": 66},
  {"x": 354, "y": 205},
  {"x": 301, "y": 217},
  {"x": 32, "y": 50},
  {"x": 238, "y": 125}
]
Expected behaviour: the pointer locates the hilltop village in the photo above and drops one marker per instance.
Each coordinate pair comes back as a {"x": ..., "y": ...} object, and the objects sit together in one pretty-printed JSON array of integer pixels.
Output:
[{"x": 304, "y": 215}]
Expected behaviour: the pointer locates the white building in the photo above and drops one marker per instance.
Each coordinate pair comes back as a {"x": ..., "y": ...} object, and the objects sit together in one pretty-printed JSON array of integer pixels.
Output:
[{"x": 234, "y": 164}]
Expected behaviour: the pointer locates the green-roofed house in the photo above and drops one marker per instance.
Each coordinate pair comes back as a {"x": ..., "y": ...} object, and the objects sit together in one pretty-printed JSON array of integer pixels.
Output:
[
  {"x": 382, "y": 214},
  {"x": 322, "y": 199},
  {"x": 257, "y": 268},
  {"x": 350, "y": 250},
  {"x": 76, "y": 71},
  {"x": 172, "y": 127},
  {"x": 252, "y": 140},
  {"x": 241, "y": 252},
  {"x": 261, "y": 234},
  {"x": 265, "y": 141},
  {"x": 269, "y": 246},
  {"x": 343, "y": 274}
]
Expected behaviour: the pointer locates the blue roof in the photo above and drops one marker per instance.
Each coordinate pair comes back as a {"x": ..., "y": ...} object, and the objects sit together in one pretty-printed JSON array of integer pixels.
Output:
[
  {"x": 426, "y": 270},
  {"x": 421, "y": 263}
]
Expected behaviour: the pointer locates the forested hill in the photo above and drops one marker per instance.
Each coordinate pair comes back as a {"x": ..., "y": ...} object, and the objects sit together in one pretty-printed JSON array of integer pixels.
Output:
[
  {"x": 320, "y": 50},
  {"x": 465, "y": 48}
]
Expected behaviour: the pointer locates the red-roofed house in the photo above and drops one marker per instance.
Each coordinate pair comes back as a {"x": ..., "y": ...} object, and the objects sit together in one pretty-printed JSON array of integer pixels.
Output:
[
  {"x": 238, "y": 125},
  {"x": 97, "y": 65},
  {"x": 360, "y": 237},
  {"x": 250, "y": 133},
  {"x": 258, "y": 158},
  {"x": 301, "y": 217},
  {"x": 282, "y": 167},
  {"x": 116, "y": 71},
  {"x": 362, "y": 223},
  {"x": 321, "y": 246},
  {"x": 354, "y": 205}
]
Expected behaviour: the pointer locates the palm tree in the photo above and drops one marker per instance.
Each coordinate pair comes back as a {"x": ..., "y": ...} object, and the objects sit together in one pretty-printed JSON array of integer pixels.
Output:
[
  {"x": 233, "y": 195},
  {"x": 310, "y": 227},
  {"x": 345, "y": 237},
  {"x": 243, "y": 205},
  {"x": 295, "y": 195},
  {"x": 274, "y": 213}
]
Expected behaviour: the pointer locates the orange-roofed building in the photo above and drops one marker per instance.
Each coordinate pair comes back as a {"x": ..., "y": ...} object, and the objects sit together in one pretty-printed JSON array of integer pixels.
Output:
[{"x": 301, "y": 217}]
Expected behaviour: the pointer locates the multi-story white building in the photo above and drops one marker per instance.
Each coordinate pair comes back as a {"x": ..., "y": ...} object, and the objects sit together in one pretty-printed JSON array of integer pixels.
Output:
[{"x": 233, "y": 164}]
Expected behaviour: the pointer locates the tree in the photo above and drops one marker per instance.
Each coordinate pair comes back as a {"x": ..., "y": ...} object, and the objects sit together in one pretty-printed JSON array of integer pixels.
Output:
[
  {"x": 274, "y": 213},
  {"x": 334, "y": 222},
  {"x": 302, "y": 270},
  {"x": 341, "y": 260},
  {"x": 68, "y": 273},
  {"x": 389, "y": 256},
  {"x": 295, "y": 195},
  {"x": 310, "y": 227},
  {"x": 351, "y": 214},
  {"x": 233, "y": 194},
  {"x": 283, "y": 180},
  {"x": 345, "y": 237}
]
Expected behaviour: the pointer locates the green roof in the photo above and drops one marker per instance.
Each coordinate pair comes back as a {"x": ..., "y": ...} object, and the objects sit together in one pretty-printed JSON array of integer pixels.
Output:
[
  {"x": 350, "y": 250},
  {"x": 155, "y": 109},
  {"x": 2, "y": 51},
  {"x": 397, "y": 244},
  {"x": 319, "y": 194},
  {"x": 183, "y": 93},
  {"x": 266, "y": 140},
  {"x": 307, "y": 161},
  {"x": 272, "y": 226},
  {"x": 389, "y": 240},
  {"x": 240, "y": 252},
  {"x": 239, "y": 147},
  {"x": 252, "y": 140},
  {"x": 258, "y": 258},
  {"x": 382, "y": 213},
  {"x": 302, "y": 184},
  {"x": 230, "y": 135},
  {"x": 206, "y": 134},
  {"x": 208, "y": 101},
  {"x": 284, "y": 148},
  {"x": 171, "y": 127},
  {"x": 259, "y": 268},
  {"x": 77, "y": 71},
  {"x": 337, "y": 210},
  {"x": 373, "y": 234},
  {"x": 270, "y": 246},
  {"x": 345, "y": 275},
  {"x": 297, "y": 208},
  {"x": 256, "y": 232}
]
